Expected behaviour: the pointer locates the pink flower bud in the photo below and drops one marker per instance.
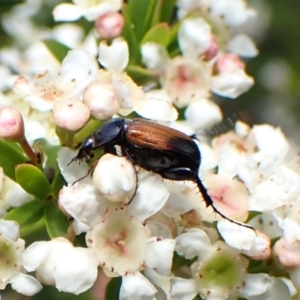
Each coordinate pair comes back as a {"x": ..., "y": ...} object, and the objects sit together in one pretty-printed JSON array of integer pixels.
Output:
[
  {"x": 109, "y": 25},
  {"x": 101, "y": 99},
  {"x": 213, "y": 49},
  {"x": 229, "y": 62},
  {"x": 11, "y": 124},
  {"x": 287, "y": 253},
  {"x": 261, "y": 247},
  {"x": 70, "y": 114}
]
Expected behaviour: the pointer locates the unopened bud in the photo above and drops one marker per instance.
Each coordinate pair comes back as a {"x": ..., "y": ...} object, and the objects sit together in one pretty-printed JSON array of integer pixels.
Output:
[
  {"x": 287, "y": 253},
  {"x": 213, "y": 49},
  {"x": 70, "y": 114},
  {"x": 101, "y": 99},
  {"x": 229, "y": 62},
  {"x": 109, "y": 25},
  {"x": 114, "y": 177},
  {"x": 11, "y": 124}
]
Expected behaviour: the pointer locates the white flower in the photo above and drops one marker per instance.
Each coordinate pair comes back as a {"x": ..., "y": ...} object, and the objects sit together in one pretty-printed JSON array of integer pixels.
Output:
[
  {"x": 12, "y": 248},
  {"x": 235, "y": 235},
  {"x": 118, "y": 242},
  {"x": 101, "y": 99},
  {"x": 203, "y": 113},
  {"x": 88, "y": 9},
  {"x": 231, "y": 84},
  {"x": 47, "y": 88},
  {"x": 157, "y": 110},
  {"x": 12, "y": 194},
  {"x": 234, "y": 12},
  {"x": 194, "y": 37},
  {"x": 242, "y": 45},
  {"x": 136, "y": 286},
  {"x": 263, "y": 286},
  {"x": 114, "y": 57},
  {"x": 59, "y": 263},
  {"x": 186, "y": 80},
  {"x": 154, "y": 56}
]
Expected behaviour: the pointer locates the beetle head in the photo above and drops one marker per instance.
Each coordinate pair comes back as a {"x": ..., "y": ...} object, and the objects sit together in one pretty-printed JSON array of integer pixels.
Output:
[{"x": 85, "y": 151}]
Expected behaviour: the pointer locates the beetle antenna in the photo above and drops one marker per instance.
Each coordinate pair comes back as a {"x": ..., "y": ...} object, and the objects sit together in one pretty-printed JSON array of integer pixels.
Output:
[
  {"x": 209, "y": 202},
  {"x": 72, "y": 160},
  {"x": 224, "y": 126}
]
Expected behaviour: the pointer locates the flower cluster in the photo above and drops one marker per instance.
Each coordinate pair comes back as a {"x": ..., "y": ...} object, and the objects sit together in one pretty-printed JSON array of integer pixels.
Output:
[{"x": 156, "y": 234}]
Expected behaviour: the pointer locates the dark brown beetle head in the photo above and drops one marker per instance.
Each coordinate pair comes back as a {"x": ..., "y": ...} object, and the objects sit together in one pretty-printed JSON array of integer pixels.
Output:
[{"x": 85, "y": 151}]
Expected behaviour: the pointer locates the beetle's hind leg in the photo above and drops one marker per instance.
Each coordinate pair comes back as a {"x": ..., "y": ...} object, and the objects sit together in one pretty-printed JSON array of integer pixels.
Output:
[{"x": 187, "y": 174}]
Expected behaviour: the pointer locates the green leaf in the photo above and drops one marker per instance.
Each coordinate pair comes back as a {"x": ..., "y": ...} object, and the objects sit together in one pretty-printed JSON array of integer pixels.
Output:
[
  {"x": 167, "y": 10},
  {"x": 33, "y": 180},
  {"x": 140, "y": 13},
  {"x": 130, "y": 36},
  {"x": 159, "y": 34},
  {"x": 10, "y": 157},
  {"x": 58, "y": 50},
  {"x": 57, "y": 183},
  {"x": 173, "y": 46},
  {"x": 50, "y": 293},
  {"x": 27, "y": 214},
  {"x": 55, "y": 220},
  {"x": 141, "y": 75}
]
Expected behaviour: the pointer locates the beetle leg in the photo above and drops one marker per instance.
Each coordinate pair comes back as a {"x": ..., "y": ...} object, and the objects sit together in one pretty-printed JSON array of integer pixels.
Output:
[
  {"x": 186, "y": 174},
  {"x": 135, "y": 171},
  {"x": 91, "y": 168}
]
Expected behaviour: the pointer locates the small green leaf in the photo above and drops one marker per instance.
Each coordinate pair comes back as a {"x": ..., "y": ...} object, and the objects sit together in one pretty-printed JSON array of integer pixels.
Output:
[
  {"x": 140, "y": 14},
  {"x": 57, "y": 49},
  {"x": 55, "y": 221},
  {"x": 141, "y": 75},
  {"x": 167, "y": 10},
  {"x": 27, "y": 214},
  {"x": 57, "y": 183},
  {"x": 159, "y": 34},
  {"x": 130, "y": 37},
  {"x": 10, "y": 157},
  {"x": 33, "y": 180},
  {"x": 173, "y": 46}
]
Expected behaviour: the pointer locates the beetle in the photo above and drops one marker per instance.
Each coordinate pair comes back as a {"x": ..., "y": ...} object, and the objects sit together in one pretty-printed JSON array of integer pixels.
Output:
[{"x": 153, "y": 147}]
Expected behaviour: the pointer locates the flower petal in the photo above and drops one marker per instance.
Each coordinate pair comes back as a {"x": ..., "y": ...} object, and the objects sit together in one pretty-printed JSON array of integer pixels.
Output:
[
  {"x": 194, "y": 242},
  {"x": 183, "y": 289},
  {"x": 66, "y": 12},
  {"x": 157, "y": 110},
  {"x": 25, "y": 284},
  {"x": 235, "y": 235},
  {"x": 159, "y": 255},
  {"x": 9, "y": 229},
  {"x": 231, "y": 84},
  {"x": 76, "y": 65},
  {"x": 147, "y": 200},
  {"x": 242, "y": 45},
  {"x": 114, "y": 57},
  {"x": 136, "y": 286}
]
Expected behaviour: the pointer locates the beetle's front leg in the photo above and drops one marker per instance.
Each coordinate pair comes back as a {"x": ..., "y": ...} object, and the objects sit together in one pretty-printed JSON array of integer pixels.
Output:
[{"x": 91, "y": 168}]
